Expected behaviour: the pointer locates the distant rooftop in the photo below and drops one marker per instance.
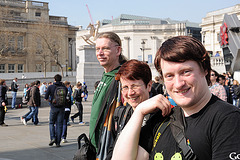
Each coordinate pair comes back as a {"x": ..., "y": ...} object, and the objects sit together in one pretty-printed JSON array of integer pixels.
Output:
[{"x": 125, "y": 19}]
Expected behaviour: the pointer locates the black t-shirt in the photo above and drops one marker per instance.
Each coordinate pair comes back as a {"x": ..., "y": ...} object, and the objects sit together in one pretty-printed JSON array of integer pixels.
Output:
[{"x": 212, "y": 133}]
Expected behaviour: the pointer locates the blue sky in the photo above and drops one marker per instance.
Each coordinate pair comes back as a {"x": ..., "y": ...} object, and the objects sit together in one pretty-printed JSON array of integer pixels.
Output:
[{"x": 192, "y": 10}]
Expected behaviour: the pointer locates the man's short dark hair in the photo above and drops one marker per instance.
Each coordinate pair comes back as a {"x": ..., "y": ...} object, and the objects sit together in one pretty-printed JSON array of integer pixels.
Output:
[
  {"x": 181, "y": 49},
  {"x": 79, "y": 84},
  {"x": 58, "y": 77},
  {"x": 37, "y": 82}
]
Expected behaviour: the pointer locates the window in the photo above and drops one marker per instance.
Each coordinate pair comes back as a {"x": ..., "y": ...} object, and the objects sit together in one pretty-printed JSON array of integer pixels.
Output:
[
  {"x": 11, "y": 68},
  {"x": 38, "y": 45},
  {"x": 38, "y": 14},
  {"x": 2, "y": 68},
  {"x": 11, "y": 43},
  {"x": 38, "y": 67},
  {"x": 20, "y": 68},
  {"x": 20, "y": 43}
]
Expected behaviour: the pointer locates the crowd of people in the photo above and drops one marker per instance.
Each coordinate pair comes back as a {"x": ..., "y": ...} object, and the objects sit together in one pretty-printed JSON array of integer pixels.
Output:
[
  {"x": 225, "y": 87},
  {"x": 35, "y": 92}
]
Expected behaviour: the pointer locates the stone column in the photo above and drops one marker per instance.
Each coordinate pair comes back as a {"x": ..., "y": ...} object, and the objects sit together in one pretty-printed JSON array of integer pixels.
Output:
[{"x": 126, "y": 49}]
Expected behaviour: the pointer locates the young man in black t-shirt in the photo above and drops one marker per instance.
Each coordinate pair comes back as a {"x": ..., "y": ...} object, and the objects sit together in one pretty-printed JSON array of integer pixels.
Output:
[{"x": 211, "y": 125}]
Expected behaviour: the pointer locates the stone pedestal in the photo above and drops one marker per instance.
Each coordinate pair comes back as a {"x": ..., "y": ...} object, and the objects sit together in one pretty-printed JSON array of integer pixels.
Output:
[{"x": 88, "y": 67}]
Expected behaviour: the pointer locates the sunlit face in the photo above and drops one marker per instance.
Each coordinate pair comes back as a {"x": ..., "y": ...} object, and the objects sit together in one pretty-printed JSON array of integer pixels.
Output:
[
  {"x": 213, "y": 77},
  {"x": 221, "y": 81},
  {"x": 135, "y": 91},
  {"x": 107, "y": 53},
  {"x": 234, "y": 82},
  {"x": 185, "y": 82}
]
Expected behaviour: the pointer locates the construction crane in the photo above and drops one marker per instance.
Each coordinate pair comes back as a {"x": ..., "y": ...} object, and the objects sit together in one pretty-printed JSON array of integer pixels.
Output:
[{"x": 90, "y": 14}]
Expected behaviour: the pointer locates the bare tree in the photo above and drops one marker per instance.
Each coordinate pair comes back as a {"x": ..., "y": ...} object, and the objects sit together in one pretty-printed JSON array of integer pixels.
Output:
[{"x": 51, "y": 40}]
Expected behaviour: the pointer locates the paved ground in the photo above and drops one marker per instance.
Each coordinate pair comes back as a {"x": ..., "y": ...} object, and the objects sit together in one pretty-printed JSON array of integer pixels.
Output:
[{"x": 19, "y": 142}]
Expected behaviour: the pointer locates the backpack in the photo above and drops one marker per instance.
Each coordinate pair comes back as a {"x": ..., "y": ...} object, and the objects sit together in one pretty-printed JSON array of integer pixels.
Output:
[
  {"x": 59, "y": 97},
  {"x": 26, "y": 98},
  {"x": 86, "y": 151}
]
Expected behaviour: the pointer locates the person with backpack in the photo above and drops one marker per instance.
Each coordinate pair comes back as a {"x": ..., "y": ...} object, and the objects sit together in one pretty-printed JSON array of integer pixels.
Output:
[
  {"x": 135, "y": 78},
  {"x": 77, "y": 97},
  {"x": 34, "y": 103},
  {"x": 200, "y": 127},
  {"x": 110, "y": 57},
  {"x": 56, "y": 94}
]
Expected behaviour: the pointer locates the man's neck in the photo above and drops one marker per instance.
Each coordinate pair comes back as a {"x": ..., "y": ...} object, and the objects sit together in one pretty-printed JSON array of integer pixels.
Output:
[
  {"x": 109, "y": 69},
  {"x": 188, "y": 111}
]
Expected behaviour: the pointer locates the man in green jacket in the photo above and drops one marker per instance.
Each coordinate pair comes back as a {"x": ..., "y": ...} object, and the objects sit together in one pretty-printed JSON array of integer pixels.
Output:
[{"x": 108, "y": 52}]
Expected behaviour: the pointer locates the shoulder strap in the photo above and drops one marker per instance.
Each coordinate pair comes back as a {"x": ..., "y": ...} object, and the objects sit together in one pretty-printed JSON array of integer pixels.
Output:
[
  {"x": 123, "y": 120},
  {"x": 157, "y": 86},
  {"x": 160, "y": 131},
  {"x": 117, "y": 116},
  {"x": 113, "y": 91},
  {"x": 177, "y": 127}
]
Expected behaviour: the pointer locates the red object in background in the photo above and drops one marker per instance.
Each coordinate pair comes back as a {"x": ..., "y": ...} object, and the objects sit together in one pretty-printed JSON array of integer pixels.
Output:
[{"x": 223, "y": 34}]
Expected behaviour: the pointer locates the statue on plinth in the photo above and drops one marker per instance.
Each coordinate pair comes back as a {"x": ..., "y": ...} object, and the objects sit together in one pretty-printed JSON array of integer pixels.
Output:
[{"x": 93, "y": 32}]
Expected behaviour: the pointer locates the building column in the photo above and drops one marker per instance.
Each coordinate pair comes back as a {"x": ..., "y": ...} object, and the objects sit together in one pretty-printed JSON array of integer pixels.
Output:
[
  {"x": 126, "y": 49},
  {"x": 154, "y": 46}
]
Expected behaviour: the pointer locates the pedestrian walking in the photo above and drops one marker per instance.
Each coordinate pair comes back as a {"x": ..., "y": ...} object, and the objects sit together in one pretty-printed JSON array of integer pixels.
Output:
[
  {"x": 67, "y": 111},
  {"x": 77, "y": 96},
  {"x": 56, "y": 95},
  {"x": 3, "y": 101},
  {"x": 34, "y": 103}
]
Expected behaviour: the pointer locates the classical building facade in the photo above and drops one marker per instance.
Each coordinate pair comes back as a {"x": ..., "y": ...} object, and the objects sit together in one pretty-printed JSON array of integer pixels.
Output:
[
  {"x": 211, "y": 35},
  {"x": 141, "y": 37},
  {"x": 33, "y": 41}
]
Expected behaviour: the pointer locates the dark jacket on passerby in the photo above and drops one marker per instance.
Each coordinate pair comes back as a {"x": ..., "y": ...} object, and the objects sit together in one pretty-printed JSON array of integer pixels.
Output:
[
  {"x": 35, "y": 98},
  {"x": 3, "y": 92},
  {"x": 77, "y": 95},
  {"x": 14, "y": 86},
  {"x": 158, "y": 87}
]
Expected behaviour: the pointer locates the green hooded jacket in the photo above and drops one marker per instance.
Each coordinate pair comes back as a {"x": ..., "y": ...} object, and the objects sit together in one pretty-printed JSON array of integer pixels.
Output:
[{"x": 99, "y": 95}]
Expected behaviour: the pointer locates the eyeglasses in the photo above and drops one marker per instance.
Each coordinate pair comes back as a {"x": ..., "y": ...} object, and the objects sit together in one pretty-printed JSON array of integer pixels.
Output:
[
  {"x": 106, "y": 49},
  {"x": 133, "y": 87}
]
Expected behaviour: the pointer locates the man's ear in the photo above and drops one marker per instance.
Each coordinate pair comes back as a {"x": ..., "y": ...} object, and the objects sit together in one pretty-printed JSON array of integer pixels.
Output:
[
  {"x": 149, "y": 85},
  {"x": 119, "y": 50}
]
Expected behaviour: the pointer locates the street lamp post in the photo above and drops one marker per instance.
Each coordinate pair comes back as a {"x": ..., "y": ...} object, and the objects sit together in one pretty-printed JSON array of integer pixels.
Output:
[
  {"x": 143, "y": 48},
  {"x": 66, "y": 67}
]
